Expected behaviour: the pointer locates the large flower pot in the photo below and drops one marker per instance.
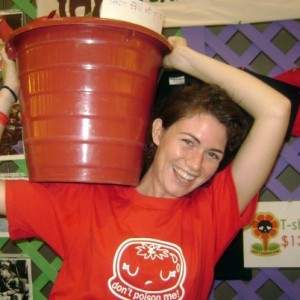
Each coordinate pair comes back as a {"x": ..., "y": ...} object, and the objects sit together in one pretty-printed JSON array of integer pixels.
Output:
[{"x": 87, "y": 87}]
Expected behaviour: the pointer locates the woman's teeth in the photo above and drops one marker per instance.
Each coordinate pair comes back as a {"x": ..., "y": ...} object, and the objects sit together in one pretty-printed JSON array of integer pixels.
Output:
[{"x": 182, "y": 174}]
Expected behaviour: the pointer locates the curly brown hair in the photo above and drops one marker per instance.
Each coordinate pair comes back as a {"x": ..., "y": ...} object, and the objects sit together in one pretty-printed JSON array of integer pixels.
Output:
[{"x": 187, "y": 101}]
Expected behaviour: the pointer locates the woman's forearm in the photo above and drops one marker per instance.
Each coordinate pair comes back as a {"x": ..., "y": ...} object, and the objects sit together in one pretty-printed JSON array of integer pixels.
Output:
[
  {"x": 6, "y": 103},
  {"x": 270, "y": 110},
  {"x": 11, "y": 90},
  {"x": 244, "y": 89}
]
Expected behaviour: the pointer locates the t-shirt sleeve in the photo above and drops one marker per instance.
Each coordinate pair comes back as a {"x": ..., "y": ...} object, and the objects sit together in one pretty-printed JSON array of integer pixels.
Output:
[{"x": 38, "y": 210}]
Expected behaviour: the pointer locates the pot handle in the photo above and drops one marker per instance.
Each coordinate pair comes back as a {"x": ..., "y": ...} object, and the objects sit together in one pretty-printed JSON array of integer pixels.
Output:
[
  {"x": 11, "y": 50},
  {"x": 51, "y": 15},
  {"x": 9, "y": 47}
]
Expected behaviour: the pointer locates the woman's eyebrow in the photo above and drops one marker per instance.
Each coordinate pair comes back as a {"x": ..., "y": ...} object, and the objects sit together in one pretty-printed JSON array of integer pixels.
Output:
[
  {"x": 191, "y": 136},
  {"x": 199, "y": 142}
]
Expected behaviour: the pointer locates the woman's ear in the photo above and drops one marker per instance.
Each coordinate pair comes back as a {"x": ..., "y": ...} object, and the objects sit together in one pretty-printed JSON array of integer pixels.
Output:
[{"x": 157, "y": 131}]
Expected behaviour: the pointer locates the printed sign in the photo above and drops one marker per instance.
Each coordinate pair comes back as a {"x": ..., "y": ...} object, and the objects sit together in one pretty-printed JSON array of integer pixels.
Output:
[
  {"x": 134, "y": 11},
  {"x": 273, "y": 238}
]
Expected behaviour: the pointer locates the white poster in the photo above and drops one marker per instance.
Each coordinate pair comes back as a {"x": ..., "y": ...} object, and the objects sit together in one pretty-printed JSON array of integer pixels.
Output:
[
  {"x": 273, "y": 238},
  {"x": 134, "y": 11},
  {"x": 181, "y": 13}
]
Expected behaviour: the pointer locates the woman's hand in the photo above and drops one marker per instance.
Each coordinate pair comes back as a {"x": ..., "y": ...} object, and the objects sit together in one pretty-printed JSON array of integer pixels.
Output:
[
  {"x": 172, "y": 60},
  {"x": 9, "y": 72},
  {"x": 10, "y": 91}
]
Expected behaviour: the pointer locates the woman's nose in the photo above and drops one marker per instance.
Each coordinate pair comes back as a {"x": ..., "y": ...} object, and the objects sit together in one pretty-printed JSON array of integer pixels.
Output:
[{"x": 194, "y": 161}]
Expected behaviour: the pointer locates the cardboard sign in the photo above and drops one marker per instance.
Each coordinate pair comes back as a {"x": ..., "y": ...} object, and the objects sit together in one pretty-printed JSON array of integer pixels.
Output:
[
  {"x": 134, "y": 11},
  {"x": 273, "y": 238}
]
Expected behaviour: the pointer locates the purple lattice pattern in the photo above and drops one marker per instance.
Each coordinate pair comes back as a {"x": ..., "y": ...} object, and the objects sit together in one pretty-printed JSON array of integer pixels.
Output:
[
  {"x": 289, "y": 156},
  {"x": 247, "y": 290},
  {"x": 261, "y": 43},
  {"x": 204, "y": 40}
]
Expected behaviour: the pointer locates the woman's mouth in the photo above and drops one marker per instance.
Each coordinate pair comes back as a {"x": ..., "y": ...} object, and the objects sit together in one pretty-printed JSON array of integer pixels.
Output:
[{"x": 184, "y": 176}]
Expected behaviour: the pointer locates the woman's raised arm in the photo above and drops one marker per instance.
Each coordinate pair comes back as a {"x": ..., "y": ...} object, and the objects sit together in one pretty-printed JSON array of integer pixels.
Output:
[
  {"x": 270, "y": 110},
  {"x": 11, "y": 87}
]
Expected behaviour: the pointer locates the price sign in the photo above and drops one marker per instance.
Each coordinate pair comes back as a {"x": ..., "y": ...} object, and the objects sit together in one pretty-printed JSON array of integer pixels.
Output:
[
  {"x": 290, "y": 240},
  {"x": 273, "y": 238}
]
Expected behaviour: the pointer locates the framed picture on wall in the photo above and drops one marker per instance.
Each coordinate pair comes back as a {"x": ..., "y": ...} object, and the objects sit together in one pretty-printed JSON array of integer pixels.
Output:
[
  {"x": 12, "y": 158},
  {"x": 14, "y": 17},
  {"x": 15, "y": 277}
]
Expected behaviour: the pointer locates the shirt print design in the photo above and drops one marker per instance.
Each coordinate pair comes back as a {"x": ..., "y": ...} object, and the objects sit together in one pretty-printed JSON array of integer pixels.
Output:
[{"x": 148, "y": 269}]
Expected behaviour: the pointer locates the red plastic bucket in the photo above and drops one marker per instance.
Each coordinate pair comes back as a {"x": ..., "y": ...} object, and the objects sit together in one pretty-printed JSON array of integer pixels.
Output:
[{"x": 87, "y": 87}]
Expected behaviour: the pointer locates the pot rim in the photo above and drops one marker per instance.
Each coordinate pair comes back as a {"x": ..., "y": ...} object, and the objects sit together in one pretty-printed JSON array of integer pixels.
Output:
[{"x": 90, "y": 22}]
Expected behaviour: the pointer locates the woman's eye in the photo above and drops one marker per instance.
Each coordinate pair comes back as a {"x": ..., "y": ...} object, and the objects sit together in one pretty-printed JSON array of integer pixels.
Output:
[
  {"x": 188, "y": 142},
  {"x": 213, "y": 155}
]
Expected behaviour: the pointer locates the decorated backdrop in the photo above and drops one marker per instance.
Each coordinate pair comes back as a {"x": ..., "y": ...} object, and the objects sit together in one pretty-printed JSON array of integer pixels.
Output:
[{"x": 190, "y": 12}]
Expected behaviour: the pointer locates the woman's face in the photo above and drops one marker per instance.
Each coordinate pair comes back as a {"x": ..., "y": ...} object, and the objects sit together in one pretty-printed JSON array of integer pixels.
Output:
[{"x": 188, "y": 155}]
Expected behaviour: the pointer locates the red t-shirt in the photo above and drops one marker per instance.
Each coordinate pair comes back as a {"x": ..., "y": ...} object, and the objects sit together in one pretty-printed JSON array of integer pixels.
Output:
[{"x": 118, "y": 244}]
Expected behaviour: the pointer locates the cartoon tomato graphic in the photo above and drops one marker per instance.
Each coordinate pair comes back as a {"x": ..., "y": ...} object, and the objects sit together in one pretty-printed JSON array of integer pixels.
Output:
[{"x": 144, "y": 268}]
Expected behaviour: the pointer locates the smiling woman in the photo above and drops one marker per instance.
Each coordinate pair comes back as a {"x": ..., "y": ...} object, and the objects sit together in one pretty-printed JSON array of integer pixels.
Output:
[
  {"x": 188, "y": 154},
  {"x": 162, "y": 238},
  {"x": 195, "y": 99}
]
